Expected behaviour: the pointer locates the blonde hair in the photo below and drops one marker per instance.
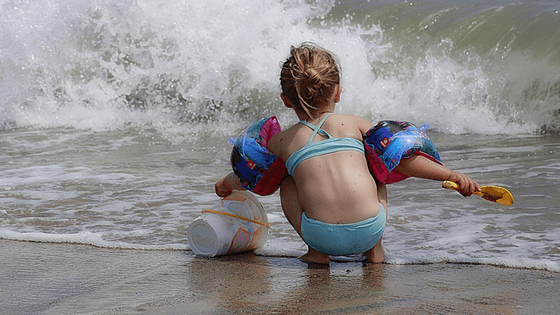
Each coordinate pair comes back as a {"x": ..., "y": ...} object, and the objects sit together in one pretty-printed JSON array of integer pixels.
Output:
[{"x": 309, "y": 77}]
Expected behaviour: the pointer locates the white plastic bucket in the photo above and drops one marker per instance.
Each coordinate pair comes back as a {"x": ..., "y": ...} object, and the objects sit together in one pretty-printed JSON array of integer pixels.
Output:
[{"x": 237, "y": 223}]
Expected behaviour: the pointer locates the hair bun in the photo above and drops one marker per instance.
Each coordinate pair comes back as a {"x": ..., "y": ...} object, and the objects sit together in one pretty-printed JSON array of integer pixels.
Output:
[
  {"x": 309, "y": 77},
  {"x": 313, "y": 76}
]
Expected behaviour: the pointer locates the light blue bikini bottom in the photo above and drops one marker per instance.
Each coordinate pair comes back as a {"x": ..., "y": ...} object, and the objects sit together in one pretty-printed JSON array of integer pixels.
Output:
[{"x": 343, "y": 239}]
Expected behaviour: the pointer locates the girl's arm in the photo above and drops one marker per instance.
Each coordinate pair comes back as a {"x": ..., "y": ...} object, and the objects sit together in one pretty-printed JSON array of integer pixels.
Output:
[
  {"x": 225, "y": 186},
  {"x": 422, "y": 167},
  {"x": 363, "y": 124}
]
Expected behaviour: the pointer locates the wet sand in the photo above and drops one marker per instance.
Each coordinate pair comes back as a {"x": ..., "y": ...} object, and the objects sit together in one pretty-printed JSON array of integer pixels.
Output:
[{"x": 40, "y": 278}]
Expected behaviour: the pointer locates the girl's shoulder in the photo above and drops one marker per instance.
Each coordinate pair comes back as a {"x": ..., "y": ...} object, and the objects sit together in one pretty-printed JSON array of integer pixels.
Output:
[
  {"x": 286, "y": 142},
  {"x": 353, "y": 121},
  {"x": 277, "y": 142},
  {"x": 355, "y": 118}
]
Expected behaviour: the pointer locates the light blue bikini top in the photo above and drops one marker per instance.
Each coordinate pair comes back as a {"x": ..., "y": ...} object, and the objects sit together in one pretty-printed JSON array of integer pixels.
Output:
[{"x": 322, "y": 147}]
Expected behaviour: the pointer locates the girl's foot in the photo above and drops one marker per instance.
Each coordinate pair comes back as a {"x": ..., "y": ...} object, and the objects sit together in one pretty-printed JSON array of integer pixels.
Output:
[
  {"x": 376, "y": 254},
  {"x": 315, "y": 256}
]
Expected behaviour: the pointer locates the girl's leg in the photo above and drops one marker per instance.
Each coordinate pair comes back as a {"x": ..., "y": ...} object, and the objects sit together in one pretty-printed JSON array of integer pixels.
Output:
[
  {"x": 293, "y": 211},
  {"x": 376, "y": 255}
]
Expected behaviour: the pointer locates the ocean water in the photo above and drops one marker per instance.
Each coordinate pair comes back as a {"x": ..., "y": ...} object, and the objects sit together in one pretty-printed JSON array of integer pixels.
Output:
[{"x": 115, "y": 115}]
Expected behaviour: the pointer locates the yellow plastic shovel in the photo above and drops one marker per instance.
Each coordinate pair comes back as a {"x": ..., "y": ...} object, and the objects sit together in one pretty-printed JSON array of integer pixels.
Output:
[{"x": 492, "y": 193}]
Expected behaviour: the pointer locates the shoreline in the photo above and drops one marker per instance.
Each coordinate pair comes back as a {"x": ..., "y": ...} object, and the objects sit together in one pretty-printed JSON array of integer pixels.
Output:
[{"x": 46, "y": 278}]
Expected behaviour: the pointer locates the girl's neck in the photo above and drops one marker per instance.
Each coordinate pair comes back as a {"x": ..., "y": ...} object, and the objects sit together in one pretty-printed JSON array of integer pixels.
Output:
[{"x": 302, "y": 115}]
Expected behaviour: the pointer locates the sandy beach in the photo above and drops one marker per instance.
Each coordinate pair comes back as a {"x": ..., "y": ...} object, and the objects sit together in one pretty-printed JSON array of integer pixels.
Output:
[{"x": 42, "y": 278}]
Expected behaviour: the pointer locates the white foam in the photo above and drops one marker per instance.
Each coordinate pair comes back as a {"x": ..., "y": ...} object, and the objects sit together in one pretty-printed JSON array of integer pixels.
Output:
[{"x": 83, "y": 238}]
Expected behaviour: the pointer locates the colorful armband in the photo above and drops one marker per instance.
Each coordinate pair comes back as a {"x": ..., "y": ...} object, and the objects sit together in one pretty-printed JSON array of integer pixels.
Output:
[
  {"x": 390, "y": 141},
  {"x": 258, "y": 169}
]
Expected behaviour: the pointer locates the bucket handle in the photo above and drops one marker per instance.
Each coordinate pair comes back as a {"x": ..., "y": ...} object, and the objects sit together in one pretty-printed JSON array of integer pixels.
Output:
[{"x": 236, "y": 216}]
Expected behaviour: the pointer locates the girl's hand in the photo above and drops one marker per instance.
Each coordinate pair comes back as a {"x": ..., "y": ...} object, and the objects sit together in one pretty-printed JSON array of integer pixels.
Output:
[
  {"x": 222, "y": 189},
  {"x": 467, "y": 186},
  {"x": 225, "y": 186}
]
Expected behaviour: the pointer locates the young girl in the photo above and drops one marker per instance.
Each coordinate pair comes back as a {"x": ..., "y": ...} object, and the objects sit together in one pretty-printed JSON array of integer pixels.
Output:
[{"x": 330, "y": 198}]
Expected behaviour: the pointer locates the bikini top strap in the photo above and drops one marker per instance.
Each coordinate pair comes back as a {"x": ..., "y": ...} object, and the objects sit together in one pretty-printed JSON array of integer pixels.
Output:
[{"x": 317, "y": 129}]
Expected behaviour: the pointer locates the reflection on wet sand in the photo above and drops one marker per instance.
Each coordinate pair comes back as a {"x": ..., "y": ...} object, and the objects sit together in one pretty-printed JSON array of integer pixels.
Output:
[
  {"x": 247, "y": 283},
  {"x": 339, "y": 288},
  {"x": 235, "y": 282},
  {"x": 250, "y": 284}
]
